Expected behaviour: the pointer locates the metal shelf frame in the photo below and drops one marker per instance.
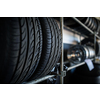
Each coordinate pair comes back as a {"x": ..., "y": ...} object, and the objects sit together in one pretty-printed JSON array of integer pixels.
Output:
[
  {"x": 62, "y": 61},
  {"x": 78, "y": 21},
  {"x": 40, "y": 79},
  {"x": 94, "y": 33},
  {"x": 50, "y": 76}
]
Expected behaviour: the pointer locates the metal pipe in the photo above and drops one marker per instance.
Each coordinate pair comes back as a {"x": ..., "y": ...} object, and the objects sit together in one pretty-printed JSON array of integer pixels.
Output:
[
  {"x": 61, "y": 66},
  {"x": 80, "y": 39},
  {"x": 85, "y": 26},
  {"x": 74, "y": 31},
  {"x": 97, "y": 36},
  {"x": 40, "y": 79},
  {"x": 95, "y": 43},
  {"x": 69, "y": 68},
  {"x": 75, "y": 66}
]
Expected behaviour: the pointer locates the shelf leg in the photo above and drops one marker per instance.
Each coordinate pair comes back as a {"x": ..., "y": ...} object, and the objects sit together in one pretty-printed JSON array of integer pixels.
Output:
[{"x": 95, "y": 43}]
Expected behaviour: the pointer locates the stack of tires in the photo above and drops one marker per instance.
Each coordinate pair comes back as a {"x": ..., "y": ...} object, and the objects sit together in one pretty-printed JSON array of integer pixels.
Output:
[
  {"x": 29, "y": 48},
  {"x": 91, "y": 22}
]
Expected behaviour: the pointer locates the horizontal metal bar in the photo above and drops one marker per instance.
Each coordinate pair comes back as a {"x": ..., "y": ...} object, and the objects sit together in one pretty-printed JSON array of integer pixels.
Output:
[
  {"x": 69, "y": 68},
  {"x": 85, "y": 26},
  {"x": 40, "y": 79},
  {"x": 97, "y": 36},
  {"x": 72, "y": 30}
]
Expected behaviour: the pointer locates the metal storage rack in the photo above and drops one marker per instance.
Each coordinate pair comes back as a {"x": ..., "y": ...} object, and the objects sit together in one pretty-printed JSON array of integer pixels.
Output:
[{"x": 62, "y": 73}]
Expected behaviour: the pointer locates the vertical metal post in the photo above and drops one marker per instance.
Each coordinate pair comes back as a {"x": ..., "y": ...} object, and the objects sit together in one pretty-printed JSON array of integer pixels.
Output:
[
  {"x": 61, "y": 66},
  {"x": 95, "y": 43},
  {"x": 80, "y": 39}
]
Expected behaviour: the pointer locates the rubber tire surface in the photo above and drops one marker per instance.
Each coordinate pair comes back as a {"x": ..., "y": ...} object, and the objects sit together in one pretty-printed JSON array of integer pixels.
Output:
[
  {"x": 51, "y": 50},
  {"x": 20, "y": 48}
]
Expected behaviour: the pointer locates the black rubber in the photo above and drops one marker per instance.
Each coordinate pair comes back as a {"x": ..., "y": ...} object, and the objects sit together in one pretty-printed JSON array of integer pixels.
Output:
[
  {"x": 57, "y": 52},
  {"x": 20, "y": 48},
  {"x": 51, "y": 47}
]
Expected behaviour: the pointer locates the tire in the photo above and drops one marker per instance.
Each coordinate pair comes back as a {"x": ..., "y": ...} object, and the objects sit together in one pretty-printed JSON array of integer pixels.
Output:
[
  {"x": 20, "y": 48},
  {"x": 51, "y": 49},
  {"x": 90, "y": 42}
]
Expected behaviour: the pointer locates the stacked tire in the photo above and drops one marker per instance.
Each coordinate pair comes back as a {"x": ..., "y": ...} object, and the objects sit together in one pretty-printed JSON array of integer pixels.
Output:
[
  {"x": 29, "y": 48},
  {"x": 91, "y": 22}
]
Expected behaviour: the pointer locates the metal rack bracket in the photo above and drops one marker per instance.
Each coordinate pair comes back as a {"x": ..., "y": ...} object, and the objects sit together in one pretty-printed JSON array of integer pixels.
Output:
[{"x": 63, "y": 73}]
